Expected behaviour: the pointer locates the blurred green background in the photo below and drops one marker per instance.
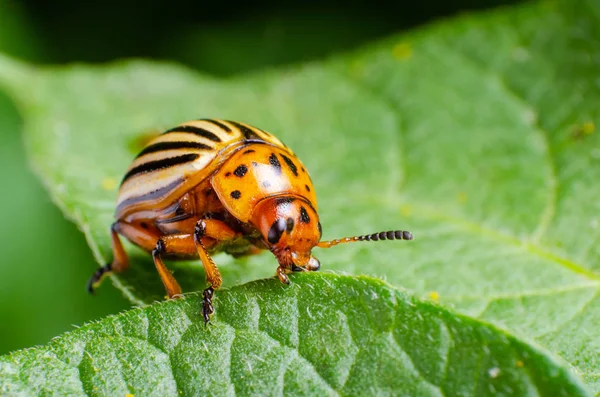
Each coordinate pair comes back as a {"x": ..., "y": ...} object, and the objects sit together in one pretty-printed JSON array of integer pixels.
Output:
[{"x": 45, "y": 261}]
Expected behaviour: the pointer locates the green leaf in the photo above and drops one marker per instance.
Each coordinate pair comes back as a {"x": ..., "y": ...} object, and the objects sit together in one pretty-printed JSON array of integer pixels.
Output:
[
  {"x": 477, "y": 134},
  {"x": 25, "y": 207},
  {"x": 322, "y": 335}
]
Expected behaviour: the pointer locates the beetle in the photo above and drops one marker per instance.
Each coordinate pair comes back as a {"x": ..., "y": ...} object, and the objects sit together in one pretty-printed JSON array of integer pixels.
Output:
[{"x": 212, "y": 185}]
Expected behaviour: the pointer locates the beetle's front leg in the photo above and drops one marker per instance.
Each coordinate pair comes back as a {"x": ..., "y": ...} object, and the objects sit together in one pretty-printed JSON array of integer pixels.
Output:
[
  {"x": 180, "y": 244},
  {"x": 218, "y": 231},
  {"x": 282, "y": 274}
]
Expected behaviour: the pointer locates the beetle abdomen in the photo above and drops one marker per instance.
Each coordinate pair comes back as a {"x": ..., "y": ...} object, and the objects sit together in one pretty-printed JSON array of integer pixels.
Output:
[{"x": 179, "y": 159}]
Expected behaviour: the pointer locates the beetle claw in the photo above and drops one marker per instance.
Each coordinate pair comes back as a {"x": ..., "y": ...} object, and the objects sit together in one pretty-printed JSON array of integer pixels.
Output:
[
  {"x": 207, "y": 307},
  {"x": 282, "y": 276},
  {"x": 96, "y": 277}
]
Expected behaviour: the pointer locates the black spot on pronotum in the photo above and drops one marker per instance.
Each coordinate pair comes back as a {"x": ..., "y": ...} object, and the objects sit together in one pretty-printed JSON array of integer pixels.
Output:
[
  {"x": 290, "y": 164},
  {"x": 249, "y": 151},
  {"x": 307, "y": 188},
  {"x": 179, "y": 211},
  {"x": 240, "y": 171},
  {"x": 304, "y": 218},
  {"x": 144, "y": 225},
  {"x": 275, "y": 162},
  {"x": 290, "y": 225},
  {"x": 228, "y": 174},
  {"x": 236, "y": 194},
  {"x": 277, "y": 229}
]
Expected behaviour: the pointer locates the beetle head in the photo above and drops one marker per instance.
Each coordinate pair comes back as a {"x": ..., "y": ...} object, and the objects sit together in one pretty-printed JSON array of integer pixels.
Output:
[{"x": 290, "y": 227}]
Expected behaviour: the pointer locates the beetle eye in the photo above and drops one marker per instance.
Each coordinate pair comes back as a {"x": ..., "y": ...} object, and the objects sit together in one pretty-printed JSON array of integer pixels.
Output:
[
  {"x": 289, "y": 225},
  {"x": 276, "y": 230}
]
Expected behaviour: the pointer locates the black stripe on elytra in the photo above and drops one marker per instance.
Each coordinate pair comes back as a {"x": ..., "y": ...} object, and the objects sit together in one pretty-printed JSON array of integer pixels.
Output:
[
  {"x": 196, "y": 131},
  {"x": 153, "y": 195},
  {"x": 160, "y": 146},
  {"x": 151, "y": 166},
  {"x": 290, "y": 164},
  {"x": 218, "y": 124},
  {"x": 247, "y": 132}
]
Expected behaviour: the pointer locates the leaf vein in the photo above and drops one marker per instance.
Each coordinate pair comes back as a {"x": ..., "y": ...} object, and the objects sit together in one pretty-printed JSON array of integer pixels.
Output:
[
  {"x": 549, "y": 210},
  {"x": 501, "y": 237},
  {"x": 281, "y": 345}
]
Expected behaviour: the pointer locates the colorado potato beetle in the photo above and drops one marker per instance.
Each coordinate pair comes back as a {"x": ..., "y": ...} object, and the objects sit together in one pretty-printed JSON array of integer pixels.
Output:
[{"x": 210, "y": 186}]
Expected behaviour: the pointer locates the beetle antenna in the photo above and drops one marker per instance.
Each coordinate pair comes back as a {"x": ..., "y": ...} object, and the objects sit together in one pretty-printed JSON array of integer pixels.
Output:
[{"x": 391, "y": 235}]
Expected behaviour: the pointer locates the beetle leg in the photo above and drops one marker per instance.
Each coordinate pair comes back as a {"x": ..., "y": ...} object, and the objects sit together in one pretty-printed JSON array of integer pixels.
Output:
[
  {"x": 182, "y": 244},
  {"x": 218, "y": 231},
  {"x": 282, "y": 274},
  {"x": 120, "y": 260}
]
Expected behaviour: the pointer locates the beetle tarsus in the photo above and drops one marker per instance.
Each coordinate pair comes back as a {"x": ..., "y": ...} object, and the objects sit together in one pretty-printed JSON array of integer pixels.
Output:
[
  {"x": 96, "y": 277},
  {"x": 207, "y": 307},
  {"x": 282, "y": 276}
]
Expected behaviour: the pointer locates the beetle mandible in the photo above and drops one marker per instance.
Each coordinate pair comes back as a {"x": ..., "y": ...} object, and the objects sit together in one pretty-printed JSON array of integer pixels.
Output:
[{"x": 213, "y": 185}]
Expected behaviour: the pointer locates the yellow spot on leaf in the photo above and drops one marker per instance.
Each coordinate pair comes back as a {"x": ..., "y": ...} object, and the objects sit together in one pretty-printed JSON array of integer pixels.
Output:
[
  {"x": 405, "y": 210},
  {"x": 520, "y": 364},
  {"x": 109, "y": 184},
  {"x": 580, "y": 131},
  {"x": 402, "y": 51},
  {"x": 129, "y": 395},
  {"x": 588, "y": 128},
  {"x": 434, "y": 295},
  {"x": 462, "y": 197}
]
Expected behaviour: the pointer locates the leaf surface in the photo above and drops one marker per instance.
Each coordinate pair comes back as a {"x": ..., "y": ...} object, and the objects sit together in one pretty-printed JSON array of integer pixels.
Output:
[
  {"x": 304, "y": 339},
  {"x": 477, "y": 134}
]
